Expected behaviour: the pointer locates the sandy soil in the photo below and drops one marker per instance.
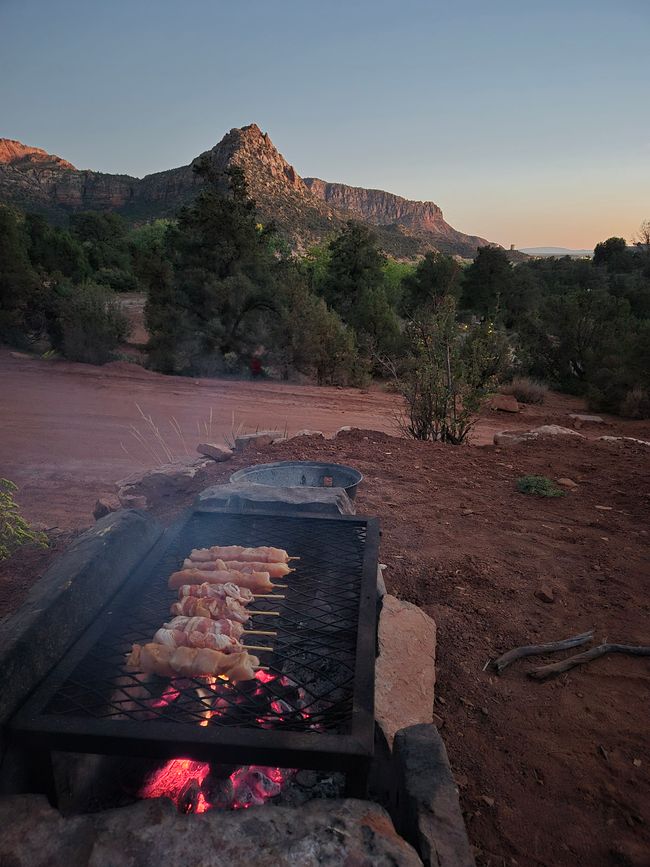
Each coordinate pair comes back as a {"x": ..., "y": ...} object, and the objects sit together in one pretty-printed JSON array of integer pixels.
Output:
[{"x": 552, "y": 774}]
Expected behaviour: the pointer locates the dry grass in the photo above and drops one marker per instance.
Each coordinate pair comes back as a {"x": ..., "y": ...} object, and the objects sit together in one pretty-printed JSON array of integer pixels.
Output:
[{"x": 526, "y": 390}]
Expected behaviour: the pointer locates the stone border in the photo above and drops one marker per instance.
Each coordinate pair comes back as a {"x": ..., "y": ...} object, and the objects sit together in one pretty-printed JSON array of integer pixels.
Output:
[
  {"x": 424, "y": 805},
  {"x": 66, "y": 600}
]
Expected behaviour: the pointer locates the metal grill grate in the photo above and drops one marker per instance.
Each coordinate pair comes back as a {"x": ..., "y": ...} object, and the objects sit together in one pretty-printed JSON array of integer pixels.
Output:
[{"x": 319, "y": 675}]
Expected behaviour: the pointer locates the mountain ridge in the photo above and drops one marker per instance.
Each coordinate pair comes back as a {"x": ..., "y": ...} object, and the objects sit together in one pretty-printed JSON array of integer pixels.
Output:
[{"x": 305, "y": 210}]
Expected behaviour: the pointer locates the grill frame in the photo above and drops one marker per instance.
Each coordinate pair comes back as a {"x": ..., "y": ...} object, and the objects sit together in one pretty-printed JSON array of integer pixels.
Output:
[{"x": 350, "y": 751}]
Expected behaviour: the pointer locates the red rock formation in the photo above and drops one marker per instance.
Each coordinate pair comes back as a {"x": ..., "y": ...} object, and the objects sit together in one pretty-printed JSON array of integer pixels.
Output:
[{"x": 304, "y": 210}]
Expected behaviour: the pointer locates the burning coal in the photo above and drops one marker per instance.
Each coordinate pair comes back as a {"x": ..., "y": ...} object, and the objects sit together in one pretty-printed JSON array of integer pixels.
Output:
[{"x": 196, "y": 787}]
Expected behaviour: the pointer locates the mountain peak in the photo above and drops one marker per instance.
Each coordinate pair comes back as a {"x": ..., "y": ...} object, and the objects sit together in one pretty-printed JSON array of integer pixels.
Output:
[{"x": 15, "y": 153}]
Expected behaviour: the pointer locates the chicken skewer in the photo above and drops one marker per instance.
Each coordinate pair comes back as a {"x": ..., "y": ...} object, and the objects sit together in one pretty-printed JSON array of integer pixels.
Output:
[
  {"x": 166, "y": 661},
  {"x": 241, "y": 595},
  {"x": 254, "y": 581},
  {"x": 185, "y": 638},
  {"x": 263, "y": 554},
  {"x": 275, "y": 570},
  {"x": 216, "y": 609}
]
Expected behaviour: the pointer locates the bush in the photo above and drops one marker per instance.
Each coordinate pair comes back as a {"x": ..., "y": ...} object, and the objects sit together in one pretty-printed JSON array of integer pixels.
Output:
[
  {"x": 448, "y": 374},
  {"x": 540, "y": 486},
  {"x": 636, "y": 403},
  {"x": 14, "y": 529},
  {"x": 526, "y": 390},
  {"x": 91, "y": 324}
]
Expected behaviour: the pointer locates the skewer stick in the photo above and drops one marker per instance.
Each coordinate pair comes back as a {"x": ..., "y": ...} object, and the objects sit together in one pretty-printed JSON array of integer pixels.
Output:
[
  {"x": 265, "y": 613},
  {"x": 267, "y": 596},
  {"x": 293, "y": 558},
  {"x": 255, "y": 647},
  {"x": 258, "y": 632},
  {"x": 283, "y": 586}
]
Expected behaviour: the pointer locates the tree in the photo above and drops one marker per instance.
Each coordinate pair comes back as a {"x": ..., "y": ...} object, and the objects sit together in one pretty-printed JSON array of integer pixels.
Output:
[
  {"x": 311, "y": 338},
  {"x": 353, "y": 285},
  {"x": 610, "y": 253},
  {"x": 486, "y": 281},
  {"x": 21, "y": 289},
  {"x": 435, "y": 277},
  {"x": 221, "y": 277},
  {"x": 55, "y": 251}
]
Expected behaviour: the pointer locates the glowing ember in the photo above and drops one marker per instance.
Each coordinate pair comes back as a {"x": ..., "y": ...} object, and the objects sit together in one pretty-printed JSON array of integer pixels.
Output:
[{"x": 195, "y": 789}]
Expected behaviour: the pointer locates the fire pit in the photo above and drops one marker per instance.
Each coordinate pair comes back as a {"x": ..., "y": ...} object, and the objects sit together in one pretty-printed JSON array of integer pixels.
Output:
[{"x": 310, "y": 707}]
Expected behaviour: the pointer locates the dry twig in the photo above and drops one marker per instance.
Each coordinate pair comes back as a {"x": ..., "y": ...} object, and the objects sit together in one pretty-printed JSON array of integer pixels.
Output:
[
  {"x": 535, "y": 649},
  {"x": 545, "y": 671}
]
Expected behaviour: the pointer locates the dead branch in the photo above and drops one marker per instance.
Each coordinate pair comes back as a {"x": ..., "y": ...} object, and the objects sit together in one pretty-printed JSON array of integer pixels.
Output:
[
  {"x": 537, "y": 649},
  {"x": 593, "y": 653}
]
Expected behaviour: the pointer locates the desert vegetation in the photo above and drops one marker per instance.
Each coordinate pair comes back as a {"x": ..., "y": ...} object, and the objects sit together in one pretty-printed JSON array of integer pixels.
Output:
[
  {"x": 14, "y": 529},
  {"x": 226, "y": 295}
]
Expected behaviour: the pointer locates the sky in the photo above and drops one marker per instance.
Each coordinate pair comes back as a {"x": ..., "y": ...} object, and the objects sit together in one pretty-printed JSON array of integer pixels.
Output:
[{"x": 527, "y": 122}]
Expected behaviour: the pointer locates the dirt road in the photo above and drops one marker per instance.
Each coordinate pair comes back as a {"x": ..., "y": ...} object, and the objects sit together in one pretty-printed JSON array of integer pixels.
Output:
[
  {"x": 66, "y": 435},
  {"x": 65, "y": 429}
]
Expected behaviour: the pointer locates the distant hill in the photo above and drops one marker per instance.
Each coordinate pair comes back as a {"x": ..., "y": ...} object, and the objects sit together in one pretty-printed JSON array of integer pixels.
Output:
[
  {"x": 305, "y": 211},
  {"x": 556, "y": 251}
]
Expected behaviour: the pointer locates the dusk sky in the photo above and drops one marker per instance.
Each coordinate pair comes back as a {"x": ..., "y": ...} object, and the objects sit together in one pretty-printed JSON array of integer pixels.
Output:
[{"x": 528, "y": 123}]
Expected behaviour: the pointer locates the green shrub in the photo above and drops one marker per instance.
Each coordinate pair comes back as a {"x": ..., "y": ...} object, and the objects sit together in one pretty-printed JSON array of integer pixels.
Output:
[
  {"x": 14, "y": 529},
  {"x": 526, "y": 390},
  {"x": 540, "y": 486},
  {"x": 91, "y": 324}
]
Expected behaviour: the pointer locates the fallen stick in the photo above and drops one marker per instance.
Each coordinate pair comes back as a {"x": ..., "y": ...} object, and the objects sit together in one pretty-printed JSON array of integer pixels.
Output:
[
  {"x": 534, "y": 649},
  {"x": 545, "y": 671}
]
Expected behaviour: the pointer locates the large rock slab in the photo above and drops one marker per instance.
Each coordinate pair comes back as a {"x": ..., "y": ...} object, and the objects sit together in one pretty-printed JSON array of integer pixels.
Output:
[
  {"x": 152, "y": 833},
  {"x": 405, "y": 670},
  {"x": 579, "y": 419},
  {"x": 514, "y": 437},
  {"x": 178, "y": 477},
  {"x": 247, "y": 497},
  {"x": 504, "y": 403},
  {"x": 425, "y": 804},
  {"x": 215, "y": 451}
]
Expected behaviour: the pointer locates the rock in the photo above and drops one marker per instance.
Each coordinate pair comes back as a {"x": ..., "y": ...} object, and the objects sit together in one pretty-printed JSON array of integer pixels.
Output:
[
  {"x": 178, "y": 477},
  {"x": 131, "y": 501},
  {"x": 567, "y": 483},
  {"x": 545, "y": 594},
  {"x": 104, "y": 506},
  {"x": 345, "y": 429},
  {"x": 151, "y": 833},
  {"x": 514, "y": 437},
  {"x": 579, "y": 420},
  {"x": 257, "y": 440},
  {"x": 504, "y": 403},
  {"x": 425, "y": 805},
  {"x": 247, "y": 497},
  {"x": 308, "y": 433},
  {"x": 405, "y": 670},
  {"x": 624, "y": 440},
  {"x": 214, "y": 451}
]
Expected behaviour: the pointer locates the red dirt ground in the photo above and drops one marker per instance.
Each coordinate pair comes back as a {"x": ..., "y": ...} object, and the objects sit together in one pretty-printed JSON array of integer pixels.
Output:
[{"x": 552, "y": 774}]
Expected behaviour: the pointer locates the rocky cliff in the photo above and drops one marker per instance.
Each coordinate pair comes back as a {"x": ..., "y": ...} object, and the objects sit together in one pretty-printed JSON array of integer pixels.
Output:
[{"x": 306, "y": 210}]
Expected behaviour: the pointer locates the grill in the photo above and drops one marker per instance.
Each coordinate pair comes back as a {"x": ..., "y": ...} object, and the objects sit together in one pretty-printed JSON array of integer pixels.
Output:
[{"x": 312, "y": 707}]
